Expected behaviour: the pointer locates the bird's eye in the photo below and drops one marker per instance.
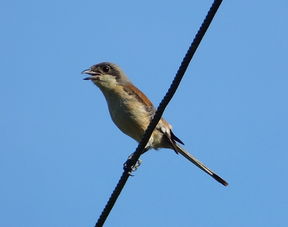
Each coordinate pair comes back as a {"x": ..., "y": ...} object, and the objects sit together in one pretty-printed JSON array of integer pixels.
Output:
[{"x": 106, "y": 68}]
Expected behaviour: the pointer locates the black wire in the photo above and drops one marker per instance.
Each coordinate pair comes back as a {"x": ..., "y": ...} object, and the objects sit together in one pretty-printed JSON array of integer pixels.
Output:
[{"x": 171, "y": 91}]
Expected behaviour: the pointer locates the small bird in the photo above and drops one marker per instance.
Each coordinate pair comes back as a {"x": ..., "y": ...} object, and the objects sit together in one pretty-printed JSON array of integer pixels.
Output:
[{"x": 132, "y": 111}]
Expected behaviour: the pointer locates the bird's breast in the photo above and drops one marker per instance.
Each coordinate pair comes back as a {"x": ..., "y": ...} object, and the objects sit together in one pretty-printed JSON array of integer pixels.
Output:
[{"x": 128, "y": 114}]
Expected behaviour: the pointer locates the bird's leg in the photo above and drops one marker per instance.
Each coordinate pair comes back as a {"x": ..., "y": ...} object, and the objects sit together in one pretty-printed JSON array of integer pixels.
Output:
[{"x": 127, "y": 165}]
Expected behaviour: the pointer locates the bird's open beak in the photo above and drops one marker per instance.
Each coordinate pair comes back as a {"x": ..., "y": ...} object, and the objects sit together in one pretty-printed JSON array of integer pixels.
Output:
[{"x": 93, "y": 75}]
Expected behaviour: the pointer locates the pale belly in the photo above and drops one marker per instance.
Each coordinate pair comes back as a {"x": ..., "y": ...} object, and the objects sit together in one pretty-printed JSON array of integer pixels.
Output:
[{"x": 131, "y": 120}]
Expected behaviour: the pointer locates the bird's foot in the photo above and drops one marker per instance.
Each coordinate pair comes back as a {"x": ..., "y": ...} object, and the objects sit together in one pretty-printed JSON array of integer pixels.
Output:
[{"x": 129, "y": 167}]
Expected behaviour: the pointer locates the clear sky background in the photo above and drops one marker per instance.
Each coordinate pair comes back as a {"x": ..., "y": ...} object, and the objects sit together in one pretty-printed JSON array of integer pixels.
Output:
[{"x": 60, "y": 154}]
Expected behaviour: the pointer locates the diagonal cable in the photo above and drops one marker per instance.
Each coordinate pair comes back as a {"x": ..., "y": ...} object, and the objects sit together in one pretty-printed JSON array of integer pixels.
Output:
[{"x": 171, "y": 91}]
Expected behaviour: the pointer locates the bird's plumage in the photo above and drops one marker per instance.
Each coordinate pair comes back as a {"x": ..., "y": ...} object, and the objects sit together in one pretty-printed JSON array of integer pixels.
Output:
[{"x": 132, "y": 111}]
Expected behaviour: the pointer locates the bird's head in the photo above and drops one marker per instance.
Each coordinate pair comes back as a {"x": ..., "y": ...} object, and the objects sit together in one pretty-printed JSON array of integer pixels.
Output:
[{"x": 106, "y": 75}]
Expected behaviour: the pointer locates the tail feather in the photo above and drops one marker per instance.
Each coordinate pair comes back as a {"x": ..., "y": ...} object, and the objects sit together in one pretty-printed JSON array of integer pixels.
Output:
[{"x": 195, "y": 161}]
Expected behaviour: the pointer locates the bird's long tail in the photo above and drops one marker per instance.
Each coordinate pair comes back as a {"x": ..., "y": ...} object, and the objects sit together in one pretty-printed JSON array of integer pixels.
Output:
[{"x": 195, "y": 161}]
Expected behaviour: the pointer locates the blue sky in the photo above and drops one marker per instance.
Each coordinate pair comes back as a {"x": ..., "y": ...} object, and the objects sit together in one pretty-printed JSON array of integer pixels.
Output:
[{"x": 60, "y": 154}]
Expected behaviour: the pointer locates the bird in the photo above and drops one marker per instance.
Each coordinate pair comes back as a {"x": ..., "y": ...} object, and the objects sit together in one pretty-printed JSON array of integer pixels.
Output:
[{"x": 131, "y": 111}]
